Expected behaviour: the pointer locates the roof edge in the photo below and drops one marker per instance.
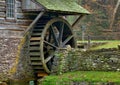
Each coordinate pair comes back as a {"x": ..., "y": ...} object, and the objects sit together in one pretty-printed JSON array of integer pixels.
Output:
[
  {"x": 39, "y": 4},
  {"x": 59, "y": 11}
]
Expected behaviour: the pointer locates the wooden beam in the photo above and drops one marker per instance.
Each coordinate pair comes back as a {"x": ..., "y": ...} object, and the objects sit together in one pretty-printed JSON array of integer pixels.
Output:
[
  {"x": 78, "y": 20},
  {"x": 34, "y": 22},
  {"x": 42, "y": 74},
  {"x": 12, "y": 29}
]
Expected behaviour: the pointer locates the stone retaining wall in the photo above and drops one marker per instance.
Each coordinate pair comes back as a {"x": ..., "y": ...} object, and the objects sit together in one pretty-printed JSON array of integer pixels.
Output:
[{"x": 74, "y": 60}]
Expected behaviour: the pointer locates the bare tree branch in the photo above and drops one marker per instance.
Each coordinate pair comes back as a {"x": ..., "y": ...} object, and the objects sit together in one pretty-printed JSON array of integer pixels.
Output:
[{"x": 114, "y": 14}]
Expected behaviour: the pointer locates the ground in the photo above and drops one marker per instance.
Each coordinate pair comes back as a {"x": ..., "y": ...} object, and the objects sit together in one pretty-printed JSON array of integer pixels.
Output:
[{"x": 83, "y": 76}]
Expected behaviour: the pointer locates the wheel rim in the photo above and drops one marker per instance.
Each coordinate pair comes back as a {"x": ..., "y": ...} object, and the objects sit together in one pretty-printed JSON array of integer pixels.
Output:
[{"x": 57, "y": 34}]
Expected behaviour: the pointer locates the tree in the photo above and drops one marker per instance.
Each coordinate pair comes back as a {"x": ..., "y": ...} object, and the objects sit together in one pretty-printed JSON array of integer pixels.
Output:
[{"x": 114, "y": 14}]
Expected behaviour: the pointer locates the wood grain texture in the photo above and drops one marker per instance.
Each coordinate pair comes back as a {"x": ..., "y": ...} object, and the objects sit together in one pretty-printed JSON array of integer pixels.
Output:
[{"x": 15, "y": 27}]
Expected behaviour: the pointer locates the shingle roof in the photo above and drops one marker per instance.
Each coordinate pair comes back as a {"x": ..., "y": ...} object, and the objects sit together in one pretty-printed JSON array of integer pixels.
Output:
[{"x": 63, "y": 6}]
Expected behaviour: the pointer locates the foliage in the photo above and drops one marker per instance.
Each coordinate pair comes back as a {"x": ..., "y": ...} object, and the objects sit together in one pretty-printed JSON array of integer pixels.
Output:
[
  {"x": 61, "y": 56},
  {"x": 102, "y": 12}
]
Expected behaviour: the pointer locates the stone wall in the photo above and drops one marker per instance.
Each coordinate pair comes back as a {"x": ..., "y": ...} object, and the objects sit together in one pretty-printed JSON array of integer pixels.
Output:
[
  {"x": 15, "y": 64},
  {"x": 14, "y": 56},
  {"x": 99, "y": 60},
  {"x": 8, "y": 51},
  {"x": 23, "y": 68}
]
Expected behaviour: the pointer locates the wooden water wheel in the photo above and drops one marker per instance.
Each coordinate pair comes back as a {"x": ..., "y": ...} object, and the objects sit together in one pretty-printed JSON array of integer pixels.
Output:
[
  {"x": 50, "y": 32},
  {"x": 48, "y": 36}
]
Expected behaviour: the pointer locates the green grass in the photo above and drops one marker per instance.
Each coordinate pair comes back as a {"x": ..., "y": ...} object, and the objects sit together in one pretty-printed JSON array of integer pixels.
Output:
[
  {"x": 109, "y": 44},
  {"x": 88, "y": 76}
]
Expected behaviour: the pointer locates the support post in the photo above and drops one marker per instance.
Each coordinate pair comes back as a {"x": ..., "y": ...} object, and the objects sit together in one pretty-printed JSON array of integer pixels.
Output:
[
  {"x": 89, "y": 41},
  {"x": 34, "y": 21},
  {"x": 119, "y": 47},
  {"x": 78, "y": 20}
]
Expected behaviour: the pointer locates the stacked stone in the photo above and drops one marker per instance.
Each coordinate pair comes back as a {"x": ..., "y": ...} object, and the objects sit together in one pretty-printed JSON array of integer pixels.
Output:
[
  {"x": 8, "y": 51},
  {"x": 77, "y": 60}
]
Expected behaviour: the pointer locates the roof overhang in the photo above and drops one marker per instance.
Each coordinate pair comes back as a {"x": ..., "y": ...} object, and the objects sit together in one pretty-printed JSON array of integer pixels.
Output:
[{"x": 63, "y": 7}]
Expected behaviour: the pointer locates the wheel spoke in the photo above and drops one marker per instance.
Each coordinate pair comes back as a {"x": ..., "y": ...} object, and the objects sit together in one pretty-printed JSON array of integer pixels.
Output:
[
  {"x": 67, "y": 40},
  {"x": 49, "y": 58},
  {"x": 50, "y": 44},
  {"x": 49, "y": 36},
  {"x": 54, "y": 35},
  {"x": 61, "y": 33}
]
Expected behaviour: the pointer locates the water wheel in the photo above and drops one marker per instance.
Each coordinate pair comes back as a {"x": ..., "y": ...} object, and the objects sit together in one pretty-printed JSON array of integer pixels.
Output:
[{"x": 48, "y": 36}]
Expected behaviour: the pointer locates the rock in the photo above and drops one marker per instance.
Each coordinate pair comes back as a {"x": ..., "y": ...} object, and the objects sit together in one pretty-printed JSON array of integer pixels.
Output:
[
  {"x": 114, "y": 60},
  {"x": 69, "y": 48},
  {"x": 3, "y": 83}
]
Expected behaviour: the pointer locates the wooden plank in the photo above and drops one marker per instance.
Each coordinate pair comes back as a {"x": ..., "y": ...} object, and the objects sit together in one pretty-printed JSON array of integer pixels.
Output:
[
  {"x": 24, "y": 22},
  {"x": 34, "y": 38},
  {"x": 35, "y": 54},
  {"x": 2, "y": 3},
  {"x": 42, "y": 74},
  {"x": 34, "y": 48},
  {"x": 36, "y": 63},
  {"x": 26, "y": 16},
  {"x": 36, "y": 34},
  {"x": 22, "y": 27},
  {"x": 2, "y": 20},
  {"x": 12, "y": 27},
  {"x": 23, "y": 19},
  {"x": 28, "y": 13},
  {"x": 2, "y": 9},
  {"x": 34, "y": 43},
  {"x": 35, "y": 58},
  {"x": 30, "y": 5},
  {"x": 9, "y": 23},
  {"x": 2, "y": 14},
  {"x": 38, "y": 67}
]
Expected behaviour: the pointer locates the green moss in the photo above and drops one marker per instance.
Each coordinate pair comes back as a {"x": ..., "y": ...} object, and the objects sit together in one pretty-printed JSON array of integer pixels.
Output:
[
  {"x": 20, "y": 46},
  {"x": 63, "y": 5}
]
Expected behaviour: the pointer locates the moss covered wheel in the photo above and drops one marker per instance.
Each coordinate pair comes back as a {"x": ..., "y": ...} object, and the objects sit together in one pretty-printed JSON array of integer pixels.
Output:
[{"x": 46, "y": 38}]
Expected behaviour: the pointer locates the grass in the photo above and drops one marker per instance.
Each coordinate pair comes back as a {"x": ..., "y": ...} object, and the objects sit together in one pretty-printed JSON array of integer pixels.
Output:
[
  {"x": 88, "y": 76},
  {"x": 109, "y": 44}
]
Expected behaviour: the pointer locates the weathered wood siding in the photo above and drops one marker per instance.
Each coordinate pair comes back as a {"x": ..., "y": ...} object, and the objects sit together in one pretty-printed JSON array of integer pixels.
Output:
[
  {"x": 16, "y": 27},
  {"x": 30, "y": 5}
]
